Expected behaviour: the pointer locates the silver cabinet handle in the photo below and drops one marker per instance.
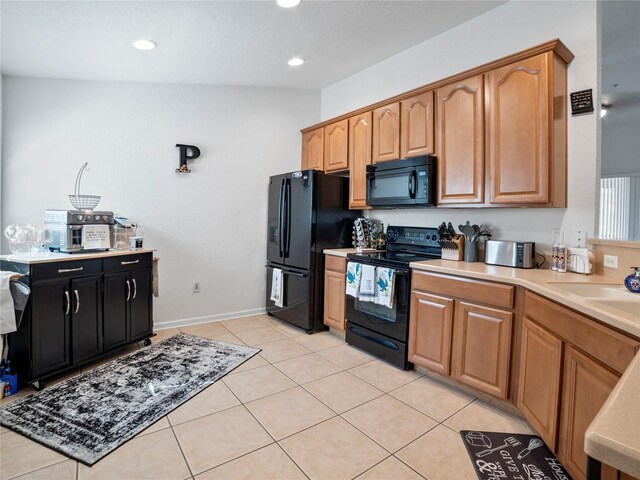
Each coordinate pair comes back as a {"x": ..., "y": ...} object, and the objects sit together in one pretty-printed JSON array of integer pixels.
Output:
[
  {"x": 128, "y": 291},
  {"x": 77, "y": 295},
  {"x": 68, "y": 304},
  {"x": 135, "y": 288}
]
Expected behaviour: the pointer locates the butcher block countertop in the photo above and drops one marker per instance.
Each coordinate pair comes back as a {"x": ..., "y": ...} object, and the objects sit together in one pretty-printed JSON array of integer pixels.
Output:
[{"x": 614, "y": 435}]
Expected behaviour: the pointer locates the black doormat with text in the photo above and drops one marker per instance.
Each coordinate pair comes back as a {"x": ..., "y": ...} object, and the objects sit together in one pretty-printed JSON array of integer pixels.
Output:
[{"x": 512, "y": 456}]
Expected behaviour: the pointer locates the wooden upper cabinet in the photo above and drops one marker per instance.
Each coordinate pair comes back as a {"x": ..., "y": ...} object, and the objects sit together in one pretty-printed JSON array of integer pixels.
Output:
[
  {"x": 336, "y": 146},
  {"x": 313, "y": 150},
  {"x": 539, "y": 385},
  {"x": 519, "y": 101},
  {"x": 386, "y": 133},
  {"x": 460, "y": 142},
  {"x": 360, "y": 134},
  {"x": 416, "y": 126},
  {"x": 482, "y": 348},
  {"x": 586, "y": 386},
  {"x": 430, "y": 330}
]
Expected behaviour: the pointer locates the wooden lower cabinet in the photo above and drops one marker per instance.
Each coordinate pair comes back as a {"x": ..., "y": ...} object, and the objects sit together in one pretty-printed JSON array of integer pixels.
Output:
[
  {"x": 458, "y": 337},
  {"x": 539, "y": 380},
  {"x": 430, "y": 330},
  {"x": 482, "y": 348},
  {"x": 586, "y": 386},
  {"x": 335, "y": 283}
]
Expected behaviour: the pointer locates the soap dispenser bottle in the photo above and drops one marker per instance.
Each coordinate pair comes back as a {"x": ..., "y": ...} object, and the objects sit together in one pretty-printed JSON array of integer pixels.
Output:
[{"x": 632, "y": 282}]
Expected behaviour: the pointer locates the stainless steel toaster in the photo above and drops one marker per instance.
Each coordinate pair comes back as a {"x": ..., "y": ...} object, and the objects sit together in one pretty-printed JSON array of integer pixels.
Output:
[{"x": 510, "y": 254}]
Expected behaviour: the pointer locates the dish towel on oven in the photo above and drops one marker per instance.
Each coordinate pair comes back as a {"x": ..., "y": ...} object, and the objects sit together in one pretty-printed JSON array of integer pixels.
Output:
[
  {"x": 384, "y": 286},
  {"x": 276, "y": 287},
  {"x": 367, "y": 291},
  {"x": 354, "y": 275}
]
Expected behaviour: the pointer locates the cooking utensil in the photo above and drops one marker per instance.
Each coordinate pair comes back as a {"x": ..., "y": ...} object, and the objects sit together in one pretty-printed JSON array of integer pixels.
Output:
[
  {"x": 533, "y": 444},
  {"x": 508, "y": 442},
  {"x": 467, "y": 230},
  {"x": 83, "y": 202}
]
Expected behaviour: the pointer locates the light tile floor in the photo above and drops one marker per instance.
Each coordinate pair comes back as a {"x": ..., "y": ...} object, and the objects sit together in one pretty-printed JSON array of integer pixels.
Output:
[{"x": 308, "y": 406}]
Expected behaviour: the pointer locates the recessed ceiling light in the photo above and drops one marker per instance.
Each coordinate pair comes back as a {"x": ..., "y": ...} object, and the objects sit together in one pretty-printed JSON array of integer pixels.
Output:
[
  {"x": 144, "y": 44},
  {"x": 295, "y": 62},
  {"x": 288, "y": 3}
]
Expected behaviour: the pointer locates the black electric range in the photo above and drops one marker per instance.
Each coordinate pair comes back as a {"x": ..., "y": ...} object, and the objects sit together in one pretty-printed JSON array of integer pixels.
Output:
[{"x": 377, "y": 329}]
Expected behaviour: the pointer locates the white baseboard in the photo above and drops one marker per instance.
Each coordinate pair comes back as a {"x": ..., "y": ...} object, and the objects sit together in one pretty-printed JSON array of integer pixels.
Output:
[{"x": 184, "y": 322}]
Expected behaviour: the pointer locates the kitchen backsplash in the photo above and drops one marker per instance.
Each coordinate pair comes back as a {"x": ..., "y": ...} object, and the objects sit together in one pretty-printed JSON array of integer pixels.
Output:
[{"x": 628, "y": 254}]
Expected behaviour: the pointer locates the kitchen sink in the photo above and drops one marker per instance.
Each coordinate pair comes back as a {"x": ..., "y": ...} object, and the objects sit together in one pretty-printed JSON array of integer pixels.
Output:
[{"x": 615, "y": 296}]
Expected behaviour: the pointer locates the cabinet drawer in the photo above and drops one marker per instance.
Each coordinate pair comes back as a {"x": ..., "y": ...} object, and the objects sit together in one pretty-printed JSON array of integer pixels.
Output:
[
  {"x": 128, "y": 262},
  {"x": 66, "y": 269},
  {"x": 611, "y": 348},
  {"x": 335, "y": 264},
  {"x": 488, "y": 293}
]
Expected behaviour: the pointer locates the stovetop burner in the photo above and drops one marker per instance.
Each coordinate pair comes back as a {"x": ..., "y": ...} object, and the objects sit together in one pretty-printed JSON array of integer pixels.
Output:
[{"x": 404, "y": 245}]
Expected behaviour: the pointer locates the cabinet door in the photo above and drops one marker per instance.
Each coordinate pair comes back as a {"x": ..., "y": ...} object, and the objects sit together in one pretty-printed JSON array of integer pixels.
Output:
[
  {"x": 86, "y": 318},
  {"x": 359, "y": 157},
  {"x": 586, "y": 386},
  {"x": 430, "y": 328},
  {"x": 50, "y": 338},
  {"x": 539, "y": 386},
  {"x": 460, "y": 142},
  {"x": 482, "y": 348},
  {"x": 117, "y": 293},
  {"x": 313, "y": 150},
  {"x": 336, "y": 146},
  {"x": 386, "y": 133},
  {"x": 140, "y": 304},
  {"x": 518, "y": 131},
  {"x": 334, "y": 299},
  {"x": 416, "y": 125}
]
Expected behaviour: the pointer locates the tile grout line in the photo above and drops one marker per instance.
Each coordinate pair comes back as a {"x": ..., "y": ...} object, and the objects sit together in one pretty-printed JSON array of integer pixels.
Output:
[
  {"x": 181, "y": 450},
  {"x": 42, "y": 468},
  {"x": 372, "y": 466},
  {"x": 409, "y": 466}
]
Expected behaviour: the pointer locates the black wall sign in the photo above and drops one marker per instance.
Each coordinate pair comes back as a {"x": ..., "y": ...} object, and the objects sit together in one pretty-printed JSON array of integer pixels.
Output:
[
  {"x": 581, "y": 102},
  {"x": 187, "y": 152}
]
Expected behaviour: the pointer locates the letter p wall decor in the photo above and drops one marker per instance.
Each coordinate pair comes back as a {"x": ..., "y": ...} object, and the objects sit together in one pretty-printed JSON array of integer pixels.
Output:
[{"x": 187, "y": 152}]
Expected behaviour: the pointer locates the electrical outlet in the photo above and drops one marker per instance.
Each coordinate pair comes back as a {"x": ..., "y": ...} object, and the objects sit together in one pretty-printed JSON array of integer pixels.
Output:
[
  {"x": 556, "y": 236},
  {"x": 196, "y": 286},
  {"x": 611, "y": 261},
  {"x": 581, "y": 238}
]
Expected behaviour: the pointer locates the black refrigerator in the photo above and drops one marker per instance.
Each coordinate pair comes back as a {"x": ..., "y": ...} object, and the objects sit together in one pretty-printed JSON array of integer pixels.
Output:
[{"x": 308, "y": 212}]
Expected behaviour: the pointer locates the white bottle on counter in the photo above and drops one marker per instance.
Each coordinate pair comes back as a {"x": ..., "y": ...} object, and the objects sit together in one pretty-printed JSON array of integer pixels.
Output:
[{"x": 554, "y": 256}]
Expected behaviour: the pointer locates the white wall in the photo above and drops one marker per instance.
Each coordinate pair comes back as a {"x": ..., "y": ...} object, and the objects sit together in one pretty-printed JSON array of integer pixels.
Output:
[
  {"x": 509, "y": 28},
  {"x": 621, "y": 139},
  {"x": 209, "y": 225}
]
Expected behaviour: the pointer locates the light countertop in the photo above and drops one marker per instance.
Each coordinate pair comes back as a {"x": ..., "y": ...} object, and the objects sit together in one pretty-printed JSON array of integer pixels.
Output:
[
  {"x": 545, "y": 282},
  {"x": 343, "y": 252},
  {"x": 614, "y": 435},
  {"x": 65, "y": 257}
]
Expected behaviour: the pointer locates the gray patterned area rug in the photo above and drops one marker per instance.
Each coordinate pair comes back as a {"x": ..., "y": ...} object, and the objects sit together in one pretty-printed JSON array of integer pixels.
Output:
[{"x": 92, "y": 414}]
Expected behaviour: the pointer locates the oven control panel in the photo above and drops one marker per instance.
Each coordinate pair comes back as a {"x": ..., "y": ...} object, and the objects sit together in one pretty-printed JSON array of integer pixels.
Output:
[{"x": 419, "y": 236}]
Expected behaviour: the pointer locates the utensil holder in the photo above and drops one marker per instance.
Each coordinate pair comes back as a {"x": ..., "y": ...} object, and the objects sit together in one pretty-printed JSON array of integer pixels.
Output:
[
  {"x": 455, "y": 251},
  {"x": 470, "y": 250}
]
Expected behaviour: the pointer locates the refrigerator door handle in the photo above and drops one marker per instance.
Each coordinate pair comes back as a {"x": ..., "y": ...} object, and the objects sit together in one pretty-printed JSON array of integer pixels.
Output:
[
  {"x": 280, "y": 219},
  {"x": 287, "y": 201},
  {"x": 287, "y": 272}
]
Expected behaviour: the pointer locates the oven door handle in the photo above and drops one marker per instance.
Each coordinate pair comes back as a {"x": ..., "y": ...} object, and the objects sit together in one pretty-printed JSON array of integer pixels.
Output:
[{"x": 371, "y": 338}]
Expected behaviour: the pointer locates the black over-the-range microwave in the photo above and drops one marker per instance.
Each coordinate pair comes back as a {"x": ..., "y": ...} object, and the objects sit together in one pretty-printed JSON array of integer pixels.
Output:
[{"x": 409, "y": 182}]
